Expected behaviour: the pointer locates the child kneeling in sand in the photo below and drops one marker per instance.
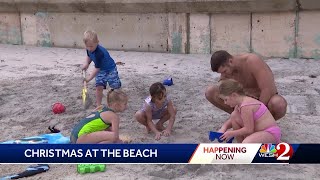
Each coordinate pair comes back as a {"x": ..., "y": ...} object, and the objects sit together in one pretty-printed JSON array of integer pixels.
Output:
[
  {"x": 251, "y": 120},
  {"x": 94, "y": 128},
  {"x": 157, "y": 106}
]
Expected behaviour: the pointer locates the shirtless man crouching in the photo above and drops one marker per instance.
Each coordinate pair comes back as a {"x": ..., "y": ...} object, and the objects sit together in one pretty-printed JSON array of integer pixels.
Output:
[{"x": 255, "y": 76}]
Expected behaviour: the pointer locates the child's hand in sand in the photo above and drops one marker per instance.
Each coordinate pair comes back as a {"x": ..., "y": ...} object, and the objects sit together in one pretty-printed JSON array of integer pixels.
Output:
[
  {"x": 158, "y": 136},
  {"x": 222, "y": 130},
  {"x": 125, "y": 139},
  {"x": 166, "y": 132},
  {"x": 227, "y": 135}
]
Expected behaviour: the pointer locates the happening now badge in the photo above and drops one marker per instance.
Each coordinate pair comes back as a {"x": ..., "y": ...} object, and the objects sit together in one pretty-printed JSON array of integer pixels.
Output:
[
  {"x": 224, "y": 153},
  {"x": 243, "y": 153}
]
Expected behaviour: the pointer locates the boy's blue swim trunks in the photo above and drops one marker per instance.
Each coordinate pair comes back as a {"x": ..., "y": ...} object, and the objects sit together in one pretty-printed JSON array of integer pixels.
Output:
[{"x": 111, "y": 77}]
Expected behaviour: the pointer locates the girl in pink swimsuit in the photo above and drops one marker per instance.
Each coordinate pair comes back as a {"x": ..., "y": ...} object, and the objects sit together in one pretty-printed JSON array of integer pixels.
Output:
[{"x": 251, "y": 121}]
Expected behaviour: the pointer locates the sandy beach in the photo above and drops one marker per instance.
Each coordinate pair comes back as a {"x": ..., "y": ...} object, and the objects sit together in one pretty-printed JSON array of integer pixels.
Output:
[{"x": 34, "y": 78}]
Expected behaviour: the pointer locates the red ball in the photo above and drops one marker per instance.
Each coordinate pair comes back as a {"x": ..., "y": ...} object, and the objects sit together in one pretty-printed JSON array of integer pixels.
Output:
[{"x": 58, "y": 108}]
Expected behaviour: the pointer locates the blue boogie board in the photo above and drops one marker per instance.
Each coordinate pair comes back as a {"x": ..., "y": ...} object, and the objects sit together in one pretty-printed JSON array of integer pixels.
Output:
[{"x": 54, "y": 138}]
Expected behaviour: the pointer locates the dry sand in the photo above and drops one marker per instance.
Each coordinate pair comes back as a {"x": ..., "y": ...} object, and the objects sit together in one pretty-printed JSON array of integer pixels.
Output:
[{"x": 33, "y": 78}]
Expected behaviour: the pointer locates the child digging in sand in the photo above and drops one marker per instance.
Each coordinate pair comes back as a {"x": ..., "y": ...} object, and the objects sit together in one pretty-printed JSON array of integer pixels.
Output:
[
  {"x": 250, "y": 120},
  {"x": 105, "y": 70},
  {"x": 102, "y": 126},
  {"x": 157, "y": 106}
]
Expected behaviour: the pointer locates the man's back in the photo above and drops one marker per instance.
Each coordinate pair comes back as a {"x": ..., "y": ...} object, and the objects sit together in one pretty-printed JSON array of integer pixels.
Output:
[{"x": 254, "y": 74}]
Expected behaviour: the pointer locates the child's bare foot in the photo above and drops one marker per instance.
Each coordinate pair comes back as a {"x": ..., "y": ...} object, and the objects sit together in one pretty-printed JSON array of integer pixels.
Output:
[
  {"x": 148, "y": 129},
  {"x": 160, "y": 127}
]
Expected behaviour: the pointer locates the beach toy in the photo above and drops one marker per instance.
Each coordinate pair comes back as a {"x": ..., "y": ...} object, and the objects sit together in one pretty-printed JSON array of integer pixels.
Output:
[
  {"x": 58, "y": 108},
  {"x": 90, "y": 168},
  {"x": 30, "y": 171},
  {"x": 216, "y": 135},
  {"x": 84, "y": 89},
  {"x": 86, "y": 99},
  {"x": 168, "y": 82},
  {"x": 53, "y": 129}
]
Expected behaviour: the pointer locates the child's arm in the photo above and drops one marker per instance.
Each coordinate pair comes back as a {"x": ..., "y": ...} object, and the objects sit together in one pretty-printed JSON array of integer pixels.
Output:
[
  {"x": 86, "y": 63},
  {"x": 226, "y": 125},
  {"x": 248, "y": 125},
  {"x": 248, "y": 122},
  {"x": 172, "y": 114},
  {"x": 110, "y": 117},
  {"x": 150, "y": 122},
  {"x": 93, "y": 74}
]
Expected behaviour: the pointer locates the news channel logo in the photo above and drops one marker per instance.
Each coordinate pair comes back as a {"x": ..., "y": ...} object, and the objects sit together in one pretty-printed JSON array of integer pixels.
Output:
[{"x": 282, "y": 151}]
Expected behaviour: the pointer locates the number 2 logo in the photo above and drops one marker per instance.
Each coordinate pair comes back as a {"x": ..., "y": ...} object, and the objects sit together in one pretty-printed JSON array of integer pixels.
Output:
[{"x": 285, "y": 151}]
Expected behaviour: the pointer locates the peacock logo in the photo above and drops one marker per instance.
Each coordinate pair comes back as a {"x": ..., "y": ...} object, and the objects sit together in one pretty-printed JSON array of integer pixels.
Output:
[{"x": 267, "y": 150}]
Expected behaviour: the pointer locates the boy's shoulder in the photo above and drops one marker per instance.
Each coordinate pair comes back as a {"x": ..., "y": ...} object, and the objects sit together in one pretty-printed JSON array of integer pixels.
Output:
[{"x": 102, "y": 48}]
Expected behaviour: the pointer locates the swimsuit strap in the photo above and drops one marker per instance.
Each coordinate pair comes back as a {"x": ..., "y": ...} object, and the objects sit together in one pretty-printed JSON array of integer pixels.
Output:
[
  {"x": 104, "y": 109},
  {"x": 248, "y": 104},
  {"x": 262, "y": 109}
]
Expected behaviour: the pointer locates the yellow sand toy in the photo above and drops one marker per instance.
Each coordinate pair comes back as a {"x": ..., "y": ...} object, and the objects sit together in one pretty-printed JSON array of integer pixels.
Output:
[
  {"x": 84, "y": 89},
  {"x": 86, "y": 101}
]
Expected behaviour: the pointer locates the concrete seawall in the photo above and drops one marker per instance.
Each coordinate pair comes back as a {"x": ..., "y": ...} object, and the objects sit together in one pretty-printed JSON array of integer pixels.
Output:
[{"x": 270, "y": 28}]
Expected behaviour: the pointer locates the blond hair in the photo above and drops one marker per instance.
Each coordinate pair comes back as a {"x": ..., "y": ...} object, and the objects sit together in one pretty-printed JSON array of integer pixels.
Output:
[
  {"x": 230, "y": 86},
  {"x": 90, "y": 35},
  {"x": 116, "y": 95}
]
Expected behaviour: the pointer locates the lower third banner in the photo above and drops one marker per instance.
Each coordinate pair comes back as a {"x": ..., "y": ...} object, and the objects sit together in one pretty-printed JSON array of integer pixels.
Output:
[{"x": 159, "y": 153}]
